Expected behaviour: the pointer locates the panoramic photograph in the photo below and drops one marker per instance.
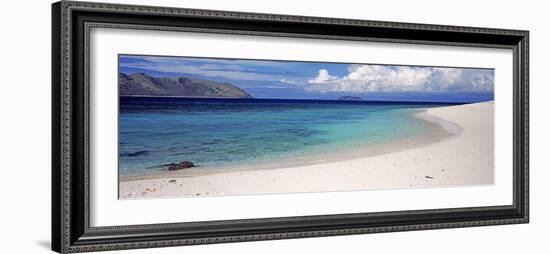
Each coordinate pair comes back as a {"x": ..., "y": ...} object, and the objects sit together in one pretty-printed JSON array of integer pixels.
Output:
[{"x": 198, "y": 127}]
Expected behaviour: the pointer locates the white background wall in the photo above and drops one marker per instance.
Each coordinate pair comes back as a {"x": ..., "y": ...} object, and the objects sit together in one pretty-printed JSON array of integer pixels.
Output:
[{"x": 25, "y": 126}]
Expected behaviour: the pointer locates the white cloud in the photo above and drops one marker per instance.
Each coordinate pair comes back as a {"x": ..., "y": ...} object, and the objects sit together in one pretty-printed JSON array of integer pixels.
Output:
[
  {"x": 209, "y": 71},
  {"x": 322, "y": 78},
  {"x": 288, "y": 81},
  {"x": 483, "y": 82},
  {"x": 381, "y": 78},
  {"x": 378, "y": 77},
  {"x": 222, "y": 68}
]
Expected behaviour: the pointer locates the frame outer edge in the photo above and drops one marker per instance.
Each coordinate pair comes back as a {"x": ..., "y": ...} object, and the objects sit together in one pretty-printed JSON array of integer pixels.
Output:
[
  {"x": 526, "y": 133},
  {"x": 66, "y": 106},
  {"x": 189, "y": 12},
  {"x": 65, "y": 119},
  {"x": 56, "y": 128}
]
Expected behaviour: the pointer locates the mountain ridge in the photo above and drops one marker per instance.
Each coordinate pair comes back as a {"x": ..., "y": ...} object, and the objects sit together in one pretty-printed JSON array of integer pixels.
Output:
[{"x": 142, "y": 84}]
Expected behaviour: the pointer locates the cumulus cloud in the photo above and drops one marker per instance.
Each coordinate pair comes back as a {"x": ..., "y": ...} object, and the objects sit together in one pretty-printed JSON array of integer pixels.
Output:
[
  {"x": 382, "y": 78},
  {"x": 322, "y": 78}
]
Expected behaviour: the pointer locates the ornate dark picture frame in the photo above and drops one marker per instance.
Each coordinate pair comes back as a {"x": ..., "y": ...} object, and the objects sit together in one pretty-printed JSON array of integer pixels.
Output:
[{"x": 71, "y": 22}]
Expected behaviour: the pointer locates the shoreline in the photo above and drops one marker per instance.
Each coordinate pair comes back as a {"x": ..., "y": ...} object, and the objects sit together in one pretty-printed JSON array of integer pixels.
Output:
[
  {"x": 443, "y": 128},
  {"x": 438, "y": 130}
]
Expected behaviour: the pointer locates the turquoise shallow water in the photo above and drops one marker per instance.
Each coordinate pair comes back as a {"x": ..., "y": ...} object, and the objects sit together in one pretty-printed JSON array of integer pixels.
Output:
[{"x": 233, "y": 132}]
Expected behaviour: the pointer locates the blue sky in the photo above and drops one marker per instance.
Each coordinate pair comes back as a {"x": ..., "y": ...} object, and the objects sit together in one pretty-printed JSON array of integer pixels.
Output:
[{"x": 319, "y": 80}]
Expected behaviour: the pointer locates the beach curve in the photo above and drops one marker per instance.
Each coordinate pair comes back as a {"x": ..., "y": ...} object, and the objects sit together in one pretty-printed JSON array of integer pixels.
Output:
[{"x": 462, "y": 157}]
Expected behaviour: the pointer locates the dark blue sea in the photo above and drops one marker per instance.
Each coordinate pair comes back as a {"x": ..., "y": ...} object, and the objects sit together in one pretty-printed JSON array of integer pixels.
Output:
[{"x": 154, "y": 131}]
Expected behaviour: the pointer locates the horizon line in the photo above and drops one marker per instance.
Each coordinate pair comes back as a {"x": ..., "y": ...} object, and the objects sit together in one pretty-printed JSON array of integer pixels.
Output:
[{"x": 253, "y": 98}]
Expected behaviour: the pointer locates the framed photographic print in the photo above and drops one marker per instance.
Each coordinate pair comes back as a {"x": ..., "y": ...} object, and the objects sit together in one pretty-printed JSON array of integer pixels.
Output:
[{"x": 181, "y": 126}]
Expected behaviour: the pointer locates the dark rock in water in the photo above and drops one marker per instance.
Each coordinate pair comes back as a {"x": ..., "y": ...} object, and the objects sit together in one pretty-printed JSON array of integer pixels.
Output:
[
  {"x": 350, "y": 98},
  {"x": 134, "y": 154},
  {"x": 429, "y": 177},
  {"x": 181, "y": 165}
]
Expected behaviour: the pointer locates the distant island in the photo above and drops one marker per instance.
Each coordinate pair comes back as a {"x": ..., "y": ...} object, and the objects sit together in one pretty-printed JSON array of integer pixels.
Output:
[
  {"x": 141, "y": 84},
  {"x": 350, "y": 98}
]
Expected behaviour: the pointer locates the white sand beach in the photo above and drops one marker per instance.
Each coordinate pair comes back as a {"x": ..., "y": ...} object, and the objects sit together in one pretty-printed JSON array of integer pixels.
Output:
[{"x": 457, "y": 152}]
